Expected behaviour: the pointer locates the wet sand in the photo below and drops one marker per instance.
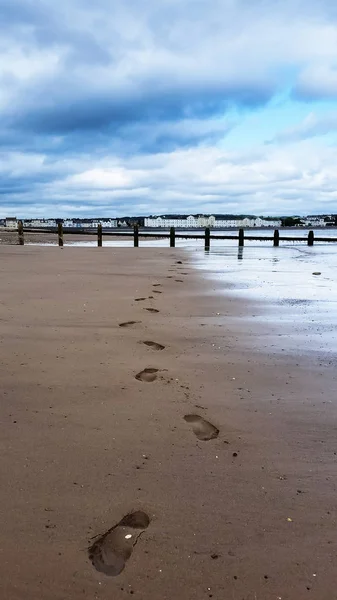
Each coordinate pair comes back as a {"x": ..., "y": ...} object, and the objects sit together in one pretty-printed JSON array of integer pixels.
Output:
[{"x": 229, "y": 452}]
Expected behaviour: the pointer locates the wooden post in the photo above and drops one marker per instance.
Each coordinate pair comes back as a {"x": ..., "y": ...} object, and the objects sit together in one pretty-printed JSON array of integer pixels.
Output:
[
  {"x": 172, "y": 237},
  {"x": 207, "y": 238},
  {"x": 135, "y": 236},
  {"x": 99, "y": 235},
  {"x": 276, "y": 237},
  {"x": 20, "y": 232},
  {"x": 241, "y": 237},
  {"x": 60, "y": 234},
  {"x": 311, "y": 238}
]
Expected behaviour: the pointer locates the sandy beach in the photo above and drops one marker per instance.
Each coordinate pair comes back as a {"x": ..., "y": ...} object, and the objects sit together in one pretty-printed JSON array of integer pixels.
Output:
[{"x": 230, "y": 453}]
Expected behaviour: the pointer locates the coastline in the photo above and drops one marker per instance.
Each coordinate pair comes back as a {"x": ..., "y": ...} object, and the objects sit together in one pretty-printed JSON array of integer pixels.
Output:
[{"x": 249, "y": 515}]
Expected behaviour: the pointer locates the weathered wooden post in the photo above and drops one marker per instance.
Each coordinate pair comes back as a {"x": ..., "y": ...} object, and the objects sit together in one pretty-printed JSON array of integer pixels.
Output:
[
  {"x": 135, "y": 236},
  {"x": 20, "y": 232},
  {"x": 207, "y": 238},
  {"x": 60, "y": 234},
  {"x": 172, "y": 237},
  {"x": 311, "y": 238},
  {"x": 241, "y": 237},
  {"x": 99, "y": 235},
  {"x": 276, "y": 237}
]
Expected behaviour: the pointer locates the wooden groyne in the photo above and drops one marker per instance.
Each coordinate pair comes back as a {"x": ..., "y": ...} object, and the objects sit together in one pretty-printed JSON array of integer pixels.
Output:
[{"x": 207, "y": 236}]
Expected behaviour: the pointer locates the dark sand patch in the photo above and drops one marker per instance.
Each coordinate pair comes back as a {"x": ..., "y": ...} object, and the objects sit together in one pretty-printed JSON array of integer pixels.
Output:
[
  {"x": 113, "y": 549},
  {"x": 129, "y": 323},
  {"x": 148, "y": 375},
  {"x": 201, "y": 428},
  {"x": 153, "y": 345}
]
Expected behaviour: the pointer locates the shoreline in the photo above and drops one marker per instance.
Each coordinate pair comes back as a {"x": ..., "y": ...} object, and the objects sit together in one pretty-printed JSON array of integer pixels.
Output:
[{"x": 250, "y": 514}]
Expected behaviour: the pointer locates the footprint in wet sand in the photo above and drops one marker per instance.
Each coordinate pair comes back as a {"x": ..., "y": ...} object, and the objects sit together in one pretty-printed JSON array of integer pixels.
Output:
[
  {"x": 109, "y": 553},
  {"x": 201, "y": 428},
  {"x": 152, "y": 310},
  {"x": 147, "y": 375},
  {"x": 129, "y": 323},
  {"x": 156, "y": 285},
  {"x": 179, "y": 280},
  {"x": 157, "y": 292},
  {"x": 154, "y": 345},
  {"x": 139, "y": 299}
]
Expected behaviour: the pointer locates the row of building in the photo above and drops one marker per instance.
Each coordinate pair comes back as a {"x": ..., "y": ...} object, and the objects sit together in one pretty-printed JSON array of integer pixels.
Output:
[
  {"x": 209, "y": 221},
  {"x": 178, "y": 221},
  {"x": 225, "y": 222}
]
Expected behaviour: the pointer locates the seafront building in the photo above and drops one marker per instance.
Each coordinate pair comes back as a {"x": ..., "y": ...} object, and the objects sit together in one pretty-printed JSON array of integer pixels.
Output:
[
  {"x": 177, "y": 221},
  {"x": 209, "y": 221}
]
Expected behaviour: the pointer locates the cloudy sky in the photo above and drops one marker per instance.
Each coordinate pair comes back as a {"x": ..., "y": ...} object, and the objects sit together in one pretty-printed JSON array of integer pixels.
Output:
[{"x": 119, "y": 107}]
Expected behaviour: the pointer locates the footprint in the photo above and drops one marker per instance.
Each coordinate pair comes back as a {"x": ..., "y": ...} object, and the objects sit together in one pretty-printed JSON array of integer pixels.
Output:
[
  {"x": 154, "y": 345},
  {"x": 152, "y": 310},
  {"x": 139, "y": 299},
  {"x": 156, "y": 292},
  {"x": 179, "y": 280},
  {"x": 113, "y": 549},
  {"x": 178, "y": 262},
  {"x": 147, "y": 375},
  {"x": 201, "y": 428},
  {"x": 156, "y": 285},
  {"x": 169, "y": 277},
  {"x": 129, "y": 323}
]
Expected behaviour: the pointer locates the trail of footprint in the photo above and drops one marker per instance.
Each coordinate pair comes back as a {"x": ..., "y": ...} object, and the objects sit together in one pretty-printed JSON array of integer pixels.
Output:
[
  {"x": 113, "y": 549},
  {"x": 201, "y": 428},
  {"x": 152, "y": 310},
  {"x": 154, "y": 345},
  {"x": 149, "y": 375},
  {"x": 129, "y": 323},
  {"x": 140, "y": 299}
]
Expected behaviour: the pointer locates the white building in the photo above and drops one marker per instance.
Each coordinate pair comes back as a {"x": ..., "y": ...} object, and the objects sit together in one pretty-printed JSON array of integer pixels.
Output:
[
  {"x": 165, "y": 222},
  {"x": 314, "y": 221},
  {"x": 209, "y": 221},
  {"x": 39, "y": 223},
  {"x": 11, "y": 222}
]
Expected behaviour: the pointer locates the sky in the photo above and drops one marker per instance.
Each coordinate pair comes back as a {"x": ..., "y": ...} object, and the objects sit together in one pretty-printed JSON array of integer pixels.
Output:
[{"x": 139, "y": 107}]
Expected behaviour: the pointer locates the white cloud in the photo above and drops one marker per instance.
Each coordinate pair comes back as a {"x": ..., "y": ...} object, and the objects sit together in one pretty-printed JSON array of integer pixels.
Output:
[
  {"x": 115, "y": 106},
  {"x": 277, "y": 180}
]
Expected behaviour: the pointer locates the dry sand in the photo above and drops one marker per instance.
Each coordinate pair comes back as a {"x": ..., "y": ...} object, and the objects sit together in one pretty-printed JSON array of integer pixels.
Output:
[{"x": 245, "y": 514}]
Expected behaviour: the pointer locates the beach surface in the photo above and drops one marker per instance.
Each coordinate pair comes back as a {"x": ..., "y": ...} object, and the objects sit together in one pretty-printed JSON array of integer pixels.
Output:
[{"x": 230, "y": 451}]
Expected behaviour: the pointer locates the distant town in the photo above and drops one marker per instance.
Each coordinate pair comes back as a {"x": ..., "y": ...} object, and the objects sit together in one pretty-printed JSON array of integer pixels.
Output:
[{"x": 179, "y": 221}]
